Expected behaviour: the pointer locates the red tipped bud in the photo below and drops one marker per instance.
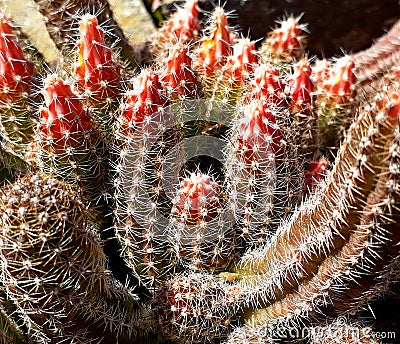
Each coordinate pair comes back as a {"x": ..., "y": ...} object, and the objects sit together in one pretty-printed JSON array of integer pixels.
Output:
[
  {"x": 178, "y": 75},
  {"x": 15, "y": 70},
  {"x": 286, "y": 42},
  {"x": 197, "y": 199},
  {"x": 143, "y": 100},
  {"x": 340, "y": 85},
  {"x": 185, "y": 23},
  {"x": 97, "y": 74},
  {"x": 63, "y": 118},
  {"x": 302, "y": 87},
  {"x": 259, "y": 134},
  {"x": 316, "y": 172},
  {"x": 267, "y": 84},
  {"x": 242, "y": 62},
  {"x": 215, "y": 49}
]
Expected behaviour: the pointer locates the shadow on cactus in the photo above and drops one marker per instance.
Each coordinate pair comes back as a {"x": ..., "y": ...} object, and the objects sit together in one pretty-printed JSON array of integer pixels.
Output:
[{"x": 220, "y": 194}]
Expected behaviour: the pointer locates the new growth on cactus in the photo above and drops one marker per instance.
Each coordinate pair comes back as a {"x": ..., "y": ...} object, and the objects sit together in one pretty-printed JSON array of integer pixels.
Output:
[{"x": 223, "y": 193}]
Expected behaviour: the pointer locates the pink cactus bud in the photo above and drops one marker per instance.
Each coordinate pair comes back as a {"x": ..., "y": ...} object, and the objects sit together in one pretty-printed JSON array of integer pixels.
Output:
[
  {"x": 64, "y": 120},
  {"x": 98, "y": 76},
  {"x": 215, "y": 49},
  {"x": 315, "y": 173},
  {"x": 197, "y": 199},
  {"x": 242, "y": 62},
  {"x": 178, "y": 75},
  {"x": 259, "y": 134},
  {"x": 302, "y": 87},
  {"x": 286, "y": 41},
  {"x": 267, "y": 85},
  {"x": 15, "y": 70},
  {"x": 143, "y": 100},
  {"x": 340, "y": 85},
  {"x": 185, "y": 23}
]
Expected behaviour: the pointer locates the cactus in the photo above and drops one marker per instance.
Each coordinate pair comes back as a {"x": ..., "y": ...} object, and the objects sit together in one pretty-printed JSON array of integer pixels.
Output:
[{"x": 223, "y": 193}]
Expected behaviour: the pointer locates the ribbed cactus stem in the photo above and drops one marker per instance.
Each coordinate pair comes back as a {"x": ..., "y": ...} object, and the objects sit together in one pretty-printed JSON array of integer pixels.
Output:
[
  {"x": 177, "y": 74},
  {"x": 196, "y": 308}
]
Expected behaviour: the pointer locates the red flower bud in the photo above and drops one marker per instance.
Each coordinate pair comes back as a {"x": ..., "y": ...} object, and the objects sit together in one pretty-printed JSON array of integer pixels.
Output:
[
  {"x": 97, "y": 74},
  {"x": 143, "y": 100},
  {"x": 215, "y": 48},
  {"x": 64, "y": 120},
  {"x": 197, "y": 199},
  {"x": 178, "y": 75},
  {"x": 242, "y": 62},
  {"x": 15, "y": 70},
  {"x": 315, "y": 172},
  {"x": 301, "y": 87}
]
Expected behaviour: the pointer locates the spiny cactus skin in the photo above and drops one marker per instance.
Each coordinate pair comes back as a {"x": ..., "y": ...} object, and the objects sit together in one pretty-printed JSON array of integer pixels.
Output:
[
  {"x": 213, "y": 169},
  {"x": 53, "y": 266}
]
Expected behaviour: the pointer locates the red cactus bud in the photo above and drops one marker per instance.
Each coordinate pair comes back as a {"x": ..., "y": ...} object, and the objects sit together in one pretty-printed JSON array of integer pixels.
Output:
[
  {"x": 267, "y": 84},
  {"x": 64, "y": 119},
  {"x": 315, "y": 172},
  {"x": 197, "y": 199},
  {"x": 143, "y": 100},
  {"x": 340, "y": 85},
  {"x": 259, "y": 134},
  {"x": 286, "y": 41},
  {"x": 97, "y": 74},
  {"x": 15, "y": 70},
  {"x": 185, "y": 23},
  {"x": 320, "y": 72},
  {"x": 242, "y": 62},
  {"x": 215, "y": 49},
  {"x": 301, "y": 86},
  {"x": 178, "y": 75}
]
